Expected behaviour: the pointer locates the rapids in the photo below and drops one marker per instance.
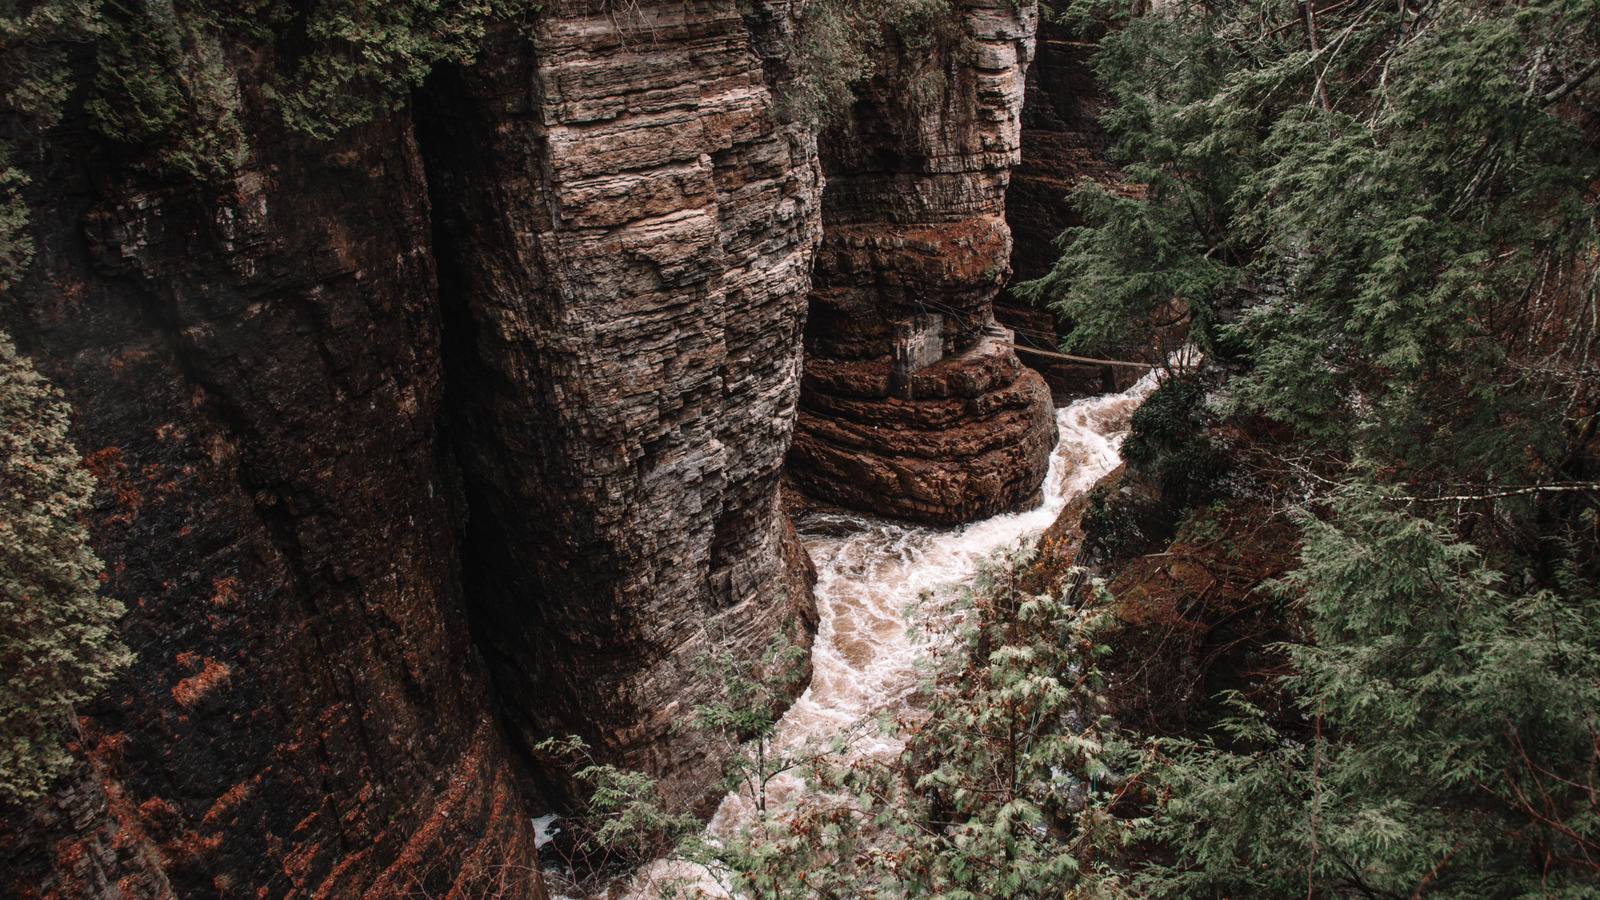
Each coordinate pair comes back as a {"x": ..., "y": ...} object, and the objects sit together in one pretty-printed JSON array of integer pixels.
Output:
[{"x": 869, "y": 570}]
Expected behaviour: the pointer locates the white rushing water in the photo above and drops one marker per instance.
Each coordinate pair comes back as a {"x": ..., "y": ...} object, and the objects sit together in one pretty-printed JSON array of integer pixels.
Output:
[{"x": 869, "y": 570}]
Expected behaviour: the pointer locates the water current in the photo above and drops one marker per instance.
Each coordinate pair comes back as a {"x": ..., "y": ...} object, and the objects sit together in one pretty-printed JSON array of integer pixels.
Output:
[{"x": 869, "y": 570}]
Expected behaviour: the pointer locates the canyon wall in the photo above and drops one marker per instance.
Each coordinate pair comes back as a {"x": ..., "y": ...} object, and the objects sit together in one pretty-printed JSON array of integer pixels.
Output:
[
  {"x": 915, "y": 248},
  {"x": 409, "y": 459},
  {"x": 1062, "y": 145},
  {"x": 255, "y": 366},
  {"x": 464, "y": 429},
  {"x": 625, "y": 232}
]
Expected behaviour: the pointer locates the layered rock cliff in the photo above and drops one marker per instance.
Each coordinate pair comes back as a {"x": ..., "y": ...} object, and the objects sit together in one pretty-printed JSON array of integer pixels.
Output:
[
  {"x": 910, "y": 407},
  {"x": 410, "y": 459},
  {"x": 463, "y": 429},
  {"x": 625, "y": 228}
]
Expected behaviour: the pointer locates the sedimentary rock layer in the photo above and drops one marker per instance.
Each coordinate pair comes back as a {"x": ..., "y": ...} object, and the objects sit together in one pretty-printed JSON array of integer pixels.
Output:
[
  {"x": 869, "y": 450},
  {"x": 914, "y": 225},
  {"x": 625, "y": 228},
  {"x": 331, "y": 491}
]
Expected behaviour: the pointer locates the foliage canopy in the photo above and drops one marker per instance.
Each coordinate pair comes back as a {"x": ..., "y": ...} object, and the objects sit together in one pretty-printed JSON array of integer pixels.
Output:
[
  {"x": 1384, "y": 216},
  {"x": 1380, "y": 221}
]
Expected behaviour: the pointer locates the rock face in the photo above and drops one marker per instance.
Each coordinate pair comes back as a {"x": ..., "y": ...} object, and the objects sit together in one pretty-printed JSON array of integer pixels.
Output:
[
  {"x": 625, "y": 233},
  {"x": 412, "y": 459},
  {"x": 256, "y": 372},
  {"x": 914, "y": 225},
  {"x": 1062, "y": 145},
  {"x": 464, "y": 429}
]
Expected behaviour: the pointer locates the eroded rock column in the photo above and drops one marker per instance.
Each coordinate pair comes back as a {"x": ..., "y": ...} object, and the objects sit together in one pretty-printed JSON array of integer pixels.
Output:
[
  {"x": 625, "y": 230},
  {"x": 914, "y": 227}
]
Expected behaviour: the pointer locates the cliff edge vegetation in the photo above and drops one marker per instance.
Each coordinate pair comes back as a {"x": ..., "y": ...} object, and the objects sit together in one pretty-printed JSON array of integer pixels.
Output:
[{"x": 1355, "y": 569}]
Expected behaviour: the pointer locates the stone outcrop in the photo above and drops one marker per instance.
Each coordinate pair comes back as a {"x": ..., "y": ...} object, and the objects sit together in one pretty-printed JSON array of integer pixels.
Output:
[
  {"x": 625, "y": 231},
  {"x": 411, "y": 459},
  {"x": 914, "y": 225},
  {"x": 83, "y": 839},
  {"x": 254, "y": 364}
]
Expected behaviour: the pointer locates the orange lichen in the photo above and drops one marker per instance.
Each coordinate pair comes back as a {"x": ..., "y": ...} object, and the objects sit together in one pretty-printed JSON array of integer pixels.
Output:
[
  {"x": 223, "y": 809},
  {"x": 212, "y": 677},
  {"x": 105, "y": 463},
  {"x": 157, "y": 815},
  {"x": 225, "y": 590}
]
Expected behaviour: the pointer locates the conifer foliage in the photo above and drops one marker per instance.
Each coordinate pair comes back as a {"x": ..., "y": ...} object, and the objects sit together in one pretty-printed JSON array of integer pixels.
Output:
[
  {"x": 57, "y": 634},
  {"x": 1380, "y": 220},
  {"x": 1384, "y": 212}
]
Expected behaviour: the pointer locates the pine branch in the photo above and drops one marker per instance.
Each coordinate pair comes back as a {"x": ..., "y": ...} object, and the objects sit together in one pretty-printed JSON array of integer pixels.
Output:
[
  {"x": 1435, "y": 870},
  {"x": 1572, "y": 83},
  {"x": 1292, "y": 23},
  {"x": 1534, "y": 489}
]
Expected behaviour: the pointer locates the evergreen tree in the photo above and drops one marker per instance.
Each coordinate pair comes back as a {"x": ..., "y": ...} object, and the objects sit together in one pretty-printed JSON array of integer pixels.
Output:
[
  {"x": 1380, "y": 221},
  {"x": 58, "y": 641},
  {"x": 1384, "y": 213},
  {"x": 1448, "y": 746}
]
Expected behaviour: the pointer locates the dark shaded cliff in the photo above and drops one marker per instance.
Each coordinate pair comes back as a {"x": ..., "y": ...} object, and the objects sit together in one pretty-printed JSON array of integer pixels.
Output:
[
  {"x": 1062, "y": 146},
  {"x": 256, "y": 372},
  {"x": 464, "y": 429},
  {"x": 916, "y": 246}
]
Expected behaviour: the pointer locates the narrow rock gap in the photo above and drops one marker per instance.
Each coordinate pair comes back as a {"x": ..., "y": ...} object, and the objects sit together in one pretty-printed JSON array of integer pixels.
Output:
[{"x": 502, "y": 613}]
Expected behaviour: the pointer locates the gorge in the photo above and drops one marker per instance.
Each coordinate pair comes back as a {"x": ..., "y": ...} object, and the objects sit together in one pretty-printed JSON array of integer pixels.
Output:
[
  {"x": 465, "y": 427},
  {"x": 421, "y": 420}
]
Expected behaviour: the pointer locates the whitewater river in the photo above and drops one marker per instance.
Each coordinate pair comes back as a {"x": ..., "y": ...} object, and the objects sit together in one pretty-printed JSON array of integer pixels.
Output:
[{"x": 870, "y": 569}]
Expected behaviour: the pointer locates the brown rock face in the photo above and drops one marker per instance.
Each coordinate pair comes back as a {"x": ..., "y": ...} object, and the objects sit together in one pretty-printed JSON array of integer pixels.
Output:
[
  {"x": 625, "y": 233},
  {"x": 1062, "y": 145},
  {"x": 256, "y": 373},
  {"x": 914, "y": 226},
  {"x": 84, "y": 839}
]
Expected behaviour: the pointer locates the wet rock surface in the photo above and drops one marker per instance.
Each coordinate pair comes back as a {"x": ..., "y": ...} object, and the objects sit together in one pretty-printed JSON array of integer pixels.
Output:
[{"x": 914, "y": 224}]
